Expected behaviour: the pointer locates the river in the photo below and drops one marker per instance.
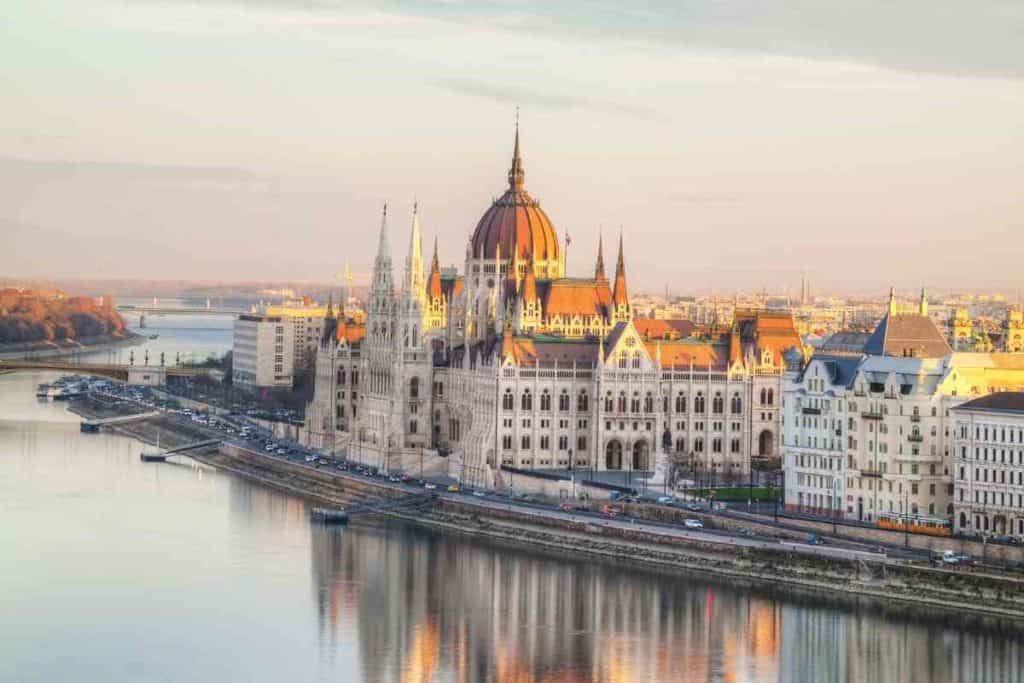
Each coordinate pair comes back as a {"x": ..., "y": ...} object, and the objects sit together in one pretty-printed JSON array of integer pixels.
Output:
[{"x": 115, "y": 570}]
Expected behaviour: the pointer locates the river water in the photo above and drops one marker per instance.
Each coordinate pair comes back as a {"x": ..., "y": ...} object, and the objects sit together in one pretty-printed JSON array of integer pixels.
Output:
[{"x": 115, "y": 570}]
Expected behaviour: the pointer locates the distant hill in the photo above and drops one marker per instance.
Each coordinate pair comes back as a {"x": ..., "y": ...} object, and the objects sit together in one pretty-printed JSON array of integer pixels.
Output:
[{"x": 50, "y": 315}]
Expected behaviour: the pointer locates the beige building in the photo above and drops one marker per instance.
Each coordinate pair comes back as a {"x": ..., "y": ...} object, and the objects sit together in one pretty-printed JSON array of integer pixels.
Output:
[
  {"x": 262, "y": 351},
  {"x": 988, "y": 478},
  {"x": 305, "y": 321}
]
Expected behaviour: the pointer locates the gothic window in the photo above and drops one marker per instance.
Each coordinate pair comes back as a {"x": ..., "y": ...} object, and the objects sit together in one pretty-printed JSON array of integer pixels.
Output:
[
  {"x": 636, "y": 360},
  {"x": 717, "y": 404},
  {"x": 622, "y": 402},
  {"x": 680, "y": 445},
  {"x": 649, "y": 403},
  {"x": 525, "y": 442},
  {"x": 716, "y": 445},
  {"x": 414, "y": 387},
  {"x": 681, "y": 402},
  {"x": 506, "y": 442},
  {"x": 634, "y": 404},
  {"x": 698, "y": 403},
  {"x": 736, "y": 405},
  {"x": 507, "y": 401},
  {"x": 412, "y": 426},
  {"x": 771, "y": 397},
  {"x": 581, "y": 444},
  {"x": 764, "y": 397},
  {"x": 527, "y": 401},
  {"x": 582, "y": 402},
  {"x": 545, "y": 401},
  {"x": 608, "y": 403},
  {"x": 734, "y": 446},
  {"x": 563, "y": 401},
  {"x": 341, "y": 376},
  {"x": 698, "y": 445},
  {"x": 622, "y": 360}
]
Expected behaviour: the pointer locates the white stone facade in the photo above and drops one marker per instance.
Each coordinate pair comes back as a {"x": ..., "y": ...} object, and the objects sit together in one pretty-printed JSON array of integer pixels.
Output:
[{"x": 262, "y": 351}]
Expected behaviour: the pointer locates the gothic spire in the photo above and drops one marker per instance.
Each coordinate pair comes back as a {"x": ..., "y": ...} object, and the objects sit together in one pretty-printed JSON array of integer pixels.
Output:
[
  {"x": 330, "y": 305},
  {"x": 414, "y": 261},
  {"x": 619, "y": 295},
  {"x": 382, "y": 284},
  {"x": 599, "y": 267},
  {"x": 516, "y": 175}
]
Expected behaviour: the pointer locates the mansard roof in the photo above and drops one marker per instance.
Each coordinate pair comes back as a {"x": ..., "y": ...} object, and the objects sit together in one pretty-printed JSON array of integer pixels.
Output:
[
  {"x": 845, "y": 341},
  {"x": 767, "y": 330},
  {"x": 907, "y": 335},
  {"x": 574, "y": 296},
  {"x": 545, "y": 350},
  {"x": 681, "y": 353},
  {"x": 1000, "y": 402}
]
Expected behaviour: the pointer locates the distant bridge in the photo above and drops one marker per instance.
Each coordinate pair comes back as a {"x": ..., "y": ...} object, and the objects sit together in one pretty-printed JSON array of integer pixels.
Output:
[
  {"x": 154, "y": 375},
  {"x": 94, "y": 424},
  {"x": 175, "y": 310}
]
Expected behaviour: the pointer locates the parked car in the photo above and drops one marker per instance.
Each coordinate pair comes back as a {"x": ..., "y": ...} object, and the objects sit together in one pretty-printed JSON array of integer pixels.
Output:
[
  {"x": 610, "y": 511},
  {"x": 453, "y": 488},
  {"x": 694, "y": 524},
  {"x": 666, "y": 500},
  {"x": 565, "y": 506},
  {"x": 480, "y": 494},
  {"x": 430, "y": 486},
  {"x": 693, "y": 507}
]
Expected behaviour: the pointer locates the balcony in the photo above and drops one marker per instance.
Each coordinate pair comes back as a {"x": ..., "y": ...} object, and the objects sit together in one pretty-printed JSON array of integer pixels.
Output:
[
  {"x": 811, "y": 411},
  {"x": 916, "y": 438},
  {"x": 871, "y": 474},
  {"x": 915, "y": 418},
  {"x": 872, "y": 415}
]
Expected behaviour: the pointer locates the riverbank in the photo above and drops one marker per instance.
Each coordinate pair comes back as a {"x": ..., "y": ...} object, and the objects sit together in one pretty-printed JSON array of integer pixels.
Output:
[
  {"x": 55, "y": 350},
  {"x": 767, "y": 564}
]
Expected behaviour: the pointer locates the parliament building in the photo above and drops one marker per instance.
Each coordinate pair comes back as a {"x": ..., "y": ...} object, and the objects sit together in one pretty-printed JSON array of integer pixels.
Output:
[{"x": 512, "y": 364}]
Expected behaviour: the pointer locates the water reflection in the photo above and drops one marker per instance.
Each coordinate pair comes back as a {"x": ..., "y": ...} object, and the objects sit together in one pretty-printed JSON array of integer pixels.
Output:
[{"x": 428, "y": 606}]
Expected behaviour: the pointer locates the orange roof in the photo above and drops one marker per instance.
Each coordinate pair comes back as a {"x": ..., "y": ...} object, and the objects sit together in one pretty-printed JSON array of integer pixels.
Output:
[
  {"x": 350, "y": 331},
  {"x": 682, "y": 354},
  {"x": 657, "y": 328},
  {"x": 570, "y": 296},
  {"x": 530, "y": 350}
]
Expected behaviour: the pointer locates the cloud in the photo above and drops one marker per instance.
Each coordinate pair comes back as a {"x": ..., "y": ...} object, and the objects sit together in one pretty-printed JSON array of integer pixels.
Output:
[
  {"x": 538, "y": 99},
  {"x": 980, "y": 38}
]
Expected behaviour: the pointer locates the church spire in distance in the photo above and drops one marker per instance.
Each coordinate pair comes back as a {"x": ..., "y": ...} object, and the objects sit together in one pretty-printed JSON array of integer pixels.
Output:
[
  {"x": 619, "y": 295},
  {"x": 599, "y": 266}
]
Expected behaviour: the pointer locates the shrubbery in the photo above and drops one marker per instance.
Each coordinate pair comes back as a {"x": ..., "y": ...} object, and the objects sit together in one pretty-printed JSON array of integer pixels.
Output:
[{"x": 29, "y": 316}]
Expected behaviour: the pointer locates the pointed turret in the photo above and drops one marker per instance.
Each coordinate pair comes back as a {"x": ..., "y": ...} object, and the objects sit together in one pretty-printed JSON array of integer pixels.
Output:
[
  {"x": 382, "y": 285},
  {"x": 892, "y": 301},
  {"x": 923, "y": 305},
  {"x": 413, "y": 283},
  {"x": 619, "y": 295},
  {"x": 434, "y": 279},
  {"x": 599, "y": 266},
  {"x": 330, "y": 305}
]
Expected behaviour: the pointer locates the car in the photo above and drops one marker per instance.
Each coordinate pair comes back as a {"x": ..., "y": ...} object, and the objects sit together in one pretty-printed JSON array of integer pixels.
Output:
[
  {"x": 323, "y": 461},
  {"x": 610, "y": 511},
  {"x": 453, "y": 488},
  {"x": 693, "y": 507},
  {"x": 480, "y": 494},
  {"x": 282, "y": 451},
  {"x": 395, "y": 479},
  {"x": 666, "y": 500},
  {"x": 310, "y": 458},
  {"x": 565, "y": 507},
  {"x": 430, "y": 486},
  {"x": 343, "y": 467},
  {"x": 694, "y": 524}
]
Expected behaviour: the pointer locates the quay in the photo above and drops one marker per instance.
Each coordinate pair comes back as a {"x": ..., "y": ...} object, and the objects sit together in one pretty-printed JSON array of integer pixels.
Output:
[
  {"x": 91, "y": 426},
  {"x": 163, "y": 455}
]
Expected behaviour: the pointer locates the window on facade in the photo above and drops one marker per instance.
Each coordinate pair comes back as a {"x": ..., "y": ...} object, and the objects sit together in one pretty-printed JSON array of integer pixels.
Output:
[
  {"x": 414, "y": 387},
  {"x": 525, "y": 442},
  {"x": 608, "y": 403},
  {"x": 622, "y": 360},
  {"x": 649, "y": 403},
  {"x": 698, "y": 403},
  {"x": 563, "y": 401},
  {"x": 545, "y": 401},
  {"x": 736, "y": 405},
  {"x": 545, "y": 443},
  {"x": 413, "y": 426},
  {"x": 636, "y": 360},
  {"x": 681, "y": 402},
  {"x": 507, "y": 400},
  {"x": 734, "y": 446},
  {"x": 582, "y": 402},
  {"x": 698, "y": 445},
  {"x": 527, "y": 401},
  {"x": 622, "y": 402},
  {"x": 717, "y": 404},
  {"x": 581, "y": 443}
]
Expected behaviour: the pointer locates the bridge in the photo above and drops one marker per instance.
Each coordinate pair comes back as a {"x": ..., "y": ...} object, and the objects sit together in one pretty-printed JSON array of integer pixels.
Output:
[
  {"x": 163, "y": 455},
  {"x": 153, "y": 375},
  {"x": 179, "y": 310}
]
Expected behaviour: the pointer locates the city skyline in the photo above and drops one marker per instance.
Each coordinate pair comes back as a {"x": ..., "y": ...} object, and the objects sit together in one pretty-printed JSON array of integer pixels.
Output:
[{"x": 201, "y": 140}]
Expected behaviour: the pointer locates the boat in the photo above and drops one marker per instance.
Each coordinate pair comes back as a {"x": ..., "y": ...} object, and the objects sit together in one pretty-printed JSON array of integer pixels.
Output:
[
  {"x": 154, "y": 336},
  {"x": 43, "y": 390}
]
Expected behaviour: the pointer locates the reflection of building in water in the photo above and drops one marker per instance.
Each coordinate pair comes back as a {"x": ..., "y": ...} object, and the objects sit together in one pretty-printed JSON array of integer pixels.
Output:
[{"x": 426, "y": 606}]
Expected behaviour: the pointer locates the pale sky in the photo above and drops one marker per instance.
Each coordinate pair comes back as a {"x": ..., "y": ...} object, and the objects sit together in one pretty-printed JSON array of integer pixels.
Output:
[{"x": 738, "y": 144}]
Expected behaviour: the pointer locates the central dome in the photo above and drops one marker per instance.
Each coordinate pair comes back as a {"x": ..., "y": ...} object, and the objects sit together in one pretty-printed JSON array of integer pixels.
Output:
[{"x": 515, "y": 224}]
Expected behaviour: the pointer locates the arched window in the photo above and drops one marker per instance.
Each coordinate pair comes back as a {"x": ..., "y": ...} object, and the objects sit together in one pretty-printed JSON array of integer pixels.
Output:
[
  {"x": 563, "y": 401},
  {"x": 545, "y": 401},
  {"x": 698, "y": 403},
  {"x": 526, "y": 403},
  {"x": 698, "y": 445},
  {"x": 648, "y": 403},
  {"x": 582, "y": 402},
  {"x": 414, "y": 387},
  {"x": 680, "y": 445},
  {"x": 764, "y": 397},
  {"x": 622, "y": 402},
  {"x": 413, "y": 426},
  {"x": 636, "y": 360},
  {"x": 736, "y": 405},
  {"x": 717, "y": 404},
  {"x": 507, "y": 400},
  {"x": 609, "y": 404},
  {"x": 622, "y": 360},
  {"x": 634, "y": 403},
  {"x": 681, "y": 402},
  {"x": 771, "y": 397}
]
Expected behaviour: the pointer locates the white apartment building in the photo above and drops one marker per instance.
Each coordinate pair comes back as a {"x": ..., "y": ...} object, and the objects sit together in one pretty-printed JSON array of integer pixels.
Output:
[
  {"x": 262, "y": 352},
  {"x": 305, "y": 320},
  {"x": 988, "y": 480}
]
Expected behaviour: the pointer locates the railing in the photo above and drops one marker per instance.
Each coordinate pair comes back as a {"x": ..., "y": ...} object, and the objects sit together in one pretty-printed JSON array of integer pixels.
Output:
[
  {"x": 812, "y": 411},
  {"x": 918, "y": 438},
  {"x": 915, "y": 418},
  {"x": 872, "y": 415}
]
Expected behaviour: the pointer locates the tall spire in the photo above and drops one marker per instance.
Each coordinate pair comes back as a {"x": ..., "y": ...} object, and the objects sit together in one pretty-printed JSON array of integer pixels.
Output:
[
  {"x": 330, "y": 304},
  {"x": 434, "y": 279},
  {"x": 892, "y": 301},
  {"x": 599, "y": 267},
  {"x": 619, "y": 295},
  {"x": 382, "y": 284},
  {"x": 413, "y": 283},
  {"x": 923, "y": 306},
  {"x": 516, "y": 175}
]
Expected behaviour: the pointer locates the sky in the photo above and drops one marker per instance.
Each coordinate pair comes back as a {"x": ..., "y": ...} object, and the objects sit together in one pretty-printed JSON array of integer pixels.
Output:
[{"x": 736, "y": 144}]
